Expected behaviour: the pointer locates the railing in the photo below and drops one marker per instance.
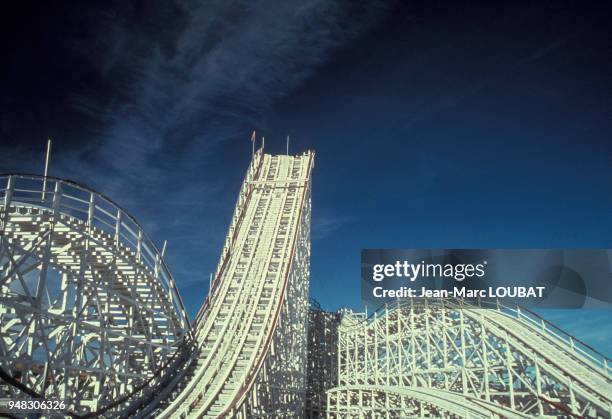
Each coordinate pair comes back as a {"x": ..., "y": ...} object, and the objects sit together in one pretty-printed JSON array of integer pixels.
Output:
[
  {"x": 252, "y": 375},
  {"x": 576, "y": 345},
  {"x": 252, "y": 173},
  {"x": 98, "y": 212}
]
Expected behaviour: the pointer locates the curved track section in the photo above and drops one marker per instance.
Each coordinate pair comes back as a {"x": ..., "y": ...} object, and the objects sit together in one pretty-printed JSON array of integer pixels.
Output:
[
  {"x": 502, "y": 356},
  {"x": 251, "y": 330},
  {"x": 88, "y": 309}
]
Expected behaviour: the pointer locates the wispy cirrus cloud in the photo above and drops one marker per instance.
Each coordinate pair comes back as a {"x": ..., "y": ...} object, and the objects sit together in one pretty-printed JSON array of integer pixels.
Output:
[
  {"x": 326, "y": 224},
  {"x": 198, "y": 74},
  {"x": 168, "y": 85}
]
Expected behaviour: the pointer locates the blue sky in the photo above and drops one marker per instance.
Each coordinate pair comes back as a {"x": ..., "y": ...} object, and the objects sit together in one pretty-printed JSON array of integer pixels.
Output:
[{"x": 435, "y": 124}]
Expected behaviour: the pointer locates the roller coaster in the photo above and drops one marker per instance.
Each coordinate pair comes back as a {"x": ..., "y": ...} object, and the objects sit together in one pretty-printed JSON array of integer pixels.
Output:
[
  {"x": 90, "y": 314},
  {"x": 88, "y": 308},
  {"x": 438, "y": 358}
]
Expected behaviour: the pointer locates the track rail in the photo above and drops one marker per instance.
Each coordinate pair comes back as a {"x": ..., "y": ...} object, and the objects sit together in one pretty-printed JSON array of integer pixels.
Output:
[
  {"x": 253, "y": 374},
  {"x": 497, "y": 354},
  {"x": 89, "y": 311},
  {"x": 243, "y": 323}
]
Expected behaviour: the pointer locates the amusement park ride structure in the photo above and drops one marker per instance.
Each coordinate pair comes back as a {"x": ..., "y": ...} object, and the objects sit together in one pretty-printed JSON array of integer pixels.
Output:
[{"x": 90, "y": 314}]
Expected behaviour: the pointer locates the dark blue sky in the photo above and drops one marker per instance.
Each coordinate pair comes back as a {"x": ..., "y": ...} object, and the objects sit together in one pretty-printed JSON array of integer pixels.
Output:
[
  {"x": 487, "y": 129},
  {"x": 436, "y": 124}
]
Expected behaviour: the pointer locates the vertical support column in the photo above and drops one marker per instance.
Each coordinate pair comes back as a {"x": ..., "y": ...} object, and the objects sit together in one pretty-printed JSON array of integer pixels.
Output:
[
  {"x": 387, "y": 348},
  {"x": 139, "y": 246},
  {"x": 42, "y": 281},
  {"x": 90, "y": 211},
  {"x": 375, "y": 328},
  {"x": 387, "y": 405},
  {"x": 118, "y": 221},
  {"x": 463, "y": 357},
  {"x": 485, "y": 356},
  {"x": 444, "y": 345},
  {"x": 538, "y": 380},
  {"x": 509, "y": 367},
  {"x": 343, "y": 364},
  {"x": 427, "y": 342},
  {"x": 413, "y": 343},
  {"x": 570, "y": 387},
  {"x": 399, "y": 340},
  {"x": 8, "y": 196},
  {"x": 66, "y": 348},
  {"x": 365, "y": 355}
]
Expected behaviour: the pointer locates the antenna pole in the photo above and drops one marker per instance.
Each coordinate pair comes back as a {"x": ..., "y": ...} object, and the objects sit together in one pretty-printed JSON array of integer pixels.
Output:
[
  {"x": 47, "y": 156},
  {"x": 253, "y": 138},
  {"x": 263, "y": 142},
  {"x": 287, "y": 145}
]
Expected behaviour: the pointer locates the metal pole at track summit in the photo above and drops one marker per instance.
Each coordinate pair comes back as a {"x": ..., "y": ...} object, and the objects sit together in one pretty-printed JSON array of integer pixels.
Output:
[
  {"x": 44, "y": 189},
  {"x": 253, "y": 137}
]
